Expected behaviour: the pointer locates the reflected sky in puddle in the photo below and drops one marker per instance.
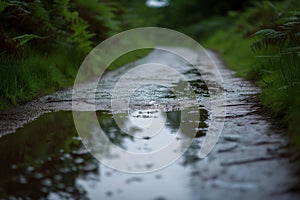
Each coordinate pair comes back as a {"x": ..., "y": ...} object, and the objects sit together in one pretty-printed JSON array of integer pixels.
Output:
[
  {"x": 46, "y": 159},
  {"x": 141, "y": 137}
]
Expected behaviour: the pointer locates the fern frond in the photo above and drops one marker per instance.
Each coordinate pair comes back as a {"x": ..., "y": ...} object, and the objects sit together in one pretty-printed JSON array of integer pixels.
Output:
[
  {"x": 5, "y": 4},
  {"x": 23, "y": 39},
  {"x": 269, "y": 37},
  {"x": 39, "y": 11}
]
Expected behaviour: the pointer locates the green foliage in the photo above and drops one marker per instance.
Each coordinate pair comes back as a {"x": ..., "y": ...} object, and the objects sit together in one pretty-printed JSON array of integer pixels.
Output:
[
  {"x": 23, "y": 78},
  {"x": 80, "y": 24},
  {"x": 5, "y": 4},
  {"x": 43, "y": 49},
  {"x": 41, "y": 13},
  {"x": 271, "y": 30},
  {"x": 269, "y": 36},
  {"x": 283, "y": 34},
  {"x": 281, "y": 43},
  {"x": 101, "y": 13},
  {"x": 197, "y": 18},
  {"x": 79, "y": 36},
  {"x": 256, "y": 17},
  {"x": 23, "y": 39},
  {"x": 235, "y": 51},
  {"x": 129, "y": 57}
]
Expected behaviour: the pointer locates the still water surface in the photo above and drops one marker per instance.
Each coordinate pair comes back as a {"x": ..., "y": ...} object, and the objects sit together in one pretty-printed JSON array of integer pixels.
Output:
[{"x": 46, "y": 159}]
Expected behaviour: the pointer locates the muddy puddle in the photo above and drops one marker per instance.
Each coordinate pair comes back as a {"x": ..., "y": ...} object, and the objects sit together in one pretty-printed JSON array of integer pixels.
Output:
[{"x": 46, "y": 159}]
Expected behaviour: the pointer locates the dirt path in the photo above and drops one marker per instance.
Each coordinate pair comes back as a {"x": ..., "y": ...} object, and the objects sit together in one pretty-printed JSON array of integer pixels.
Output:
[{"x": 251, "y": 159}]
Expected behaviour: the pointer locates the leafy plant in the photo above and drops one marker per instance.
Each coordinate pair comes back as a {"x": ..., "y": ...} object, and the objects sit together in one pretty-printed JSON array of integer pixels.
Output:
[
  {"x": 5, "y": 4},
  {"x": 43, "y": 42},
  {"x": 40, "y": 12},
  {"x": 282, "y": 42},
  {"x": 23, "y": 39}
]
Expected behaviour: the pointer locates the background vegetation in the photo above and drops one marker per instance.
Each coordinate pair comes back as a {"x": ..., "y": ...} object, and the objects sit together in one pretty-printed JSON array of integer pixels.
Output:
[{"x": 43, "y": 42}]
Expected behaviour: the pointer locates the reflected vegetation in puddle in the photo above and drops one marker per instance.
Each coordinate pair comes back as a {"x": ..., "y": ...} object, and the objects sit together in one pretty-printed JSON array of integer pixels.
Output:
[
  {"x": 134, "y": 133},
  {"x": 44, "y": 157},
  {"x": 47, "y": 159},
  {"x": 197, "y": 83}
]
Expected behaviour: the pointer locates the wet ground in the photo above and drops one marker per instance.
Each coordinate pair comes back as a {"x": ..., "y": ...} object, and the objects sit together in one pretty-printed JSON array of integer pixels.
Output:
[{"x": 46, "y": 158}]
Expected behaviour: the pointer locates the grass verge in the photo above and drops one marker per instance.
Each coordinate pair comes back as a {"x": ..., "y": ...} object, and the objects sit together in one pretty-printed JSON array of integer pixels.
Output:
[
  {"x": 36, "y": 74},
  {"x": 278, "y": 77}
]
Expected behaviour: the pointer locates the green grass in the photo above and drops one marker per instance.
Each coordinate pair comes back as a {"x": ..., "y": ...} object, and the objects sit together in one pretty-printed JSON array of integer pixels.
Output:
[
  {"x": 26, "y": 77},
  {"x": 234, "y": 49},
  {"x": 37, "y": 61},
  {"x": 129, "y": 57},
  {"x": 277, "y": 77},
  {"x": 36, "y": 74},
  {"x": 281, "y": 91}
]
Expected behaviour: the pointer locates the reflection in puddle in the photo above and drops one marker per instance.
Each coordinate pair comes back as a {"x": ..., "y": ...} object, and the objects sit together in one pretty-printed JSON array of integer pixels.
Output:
[
  {"x": 46, "y": 159},
  {"x": 142, "y": 130},
  {"x": 43, "y": 158}
]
